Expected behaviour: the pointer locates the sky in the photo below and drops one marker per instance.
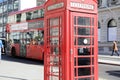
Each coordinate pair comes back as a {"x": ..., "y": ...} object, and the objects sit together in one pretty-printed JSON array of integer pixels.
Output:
[{"x": 1, "y": 0}]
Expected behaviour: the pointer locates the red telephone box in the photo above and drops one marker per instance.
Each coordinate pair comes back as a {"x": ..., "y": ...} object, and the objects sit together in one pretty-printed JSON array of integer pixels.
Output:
[{"x": 71, "y": 40}]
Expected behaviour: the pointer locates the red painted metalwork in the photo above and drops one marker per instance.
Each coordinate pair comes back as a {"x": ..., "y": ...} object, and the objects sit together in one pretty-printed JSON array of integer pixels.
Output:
[{"x": 71, "y": 40}]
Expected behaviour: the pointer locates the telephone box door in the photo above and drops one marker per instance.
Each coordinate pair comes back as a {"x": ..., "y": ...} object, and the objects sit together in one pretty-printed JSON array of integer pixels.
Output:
[
  {"x": 84, "y": 44},
  {"x": 53, "y": 58}
]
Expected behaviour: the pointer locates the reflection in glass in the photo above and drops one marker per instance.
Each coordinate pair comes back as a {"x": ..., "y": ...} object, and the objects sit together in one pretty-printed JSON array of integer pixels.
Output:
[
  {"x": 83, "y": 41},
  {"x": 83, "y": 21},
  {"x": 54, "y": 41},
  {"x": 54, "y": 21},
  {"x": 83, "y": 31},
  {"x": 83, "y": 51},
  {"x": 54, "y": 31}
]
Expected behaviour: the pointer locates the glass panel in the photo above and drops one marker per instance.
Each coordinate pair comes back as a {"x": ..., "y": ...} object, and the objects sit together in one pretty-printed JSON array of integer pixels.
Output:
[
  {"x": 92, "y": 21},
  {"x": 54, "y": 41},
  {"x": 35, "y": 14},
  {"x": 18, "y": 17},
  {"x": 1, "y": 9},
  {"x": 5, "y": 8},
  {"x": 83, "y": 41},
  {"x": 92, "y": 51},
  {"x": 83, "y": 51},
  {"x": 75, "y": 72},
  {"x": 54, "y": 21},
  {"x": 92, "y": 70},
  {"x": 83, "y": 31},
  {"x": 16, "y": 4},
  {"x": 84, "y": 79},
  {"x": 83, "y": 61},
  {"x": 83, "y": 21},
  {"x": 10, "y": 7},
  {"x": 54, "y": 31},
  {"x": 54, "y": 78},
  {"x": 75, "y": 62},
  {"x": 55, "y": 50},
  {"x": 28, "y": 16},
  {"x": 75, "y": 20},
  {"x": 84, "y": 71}
]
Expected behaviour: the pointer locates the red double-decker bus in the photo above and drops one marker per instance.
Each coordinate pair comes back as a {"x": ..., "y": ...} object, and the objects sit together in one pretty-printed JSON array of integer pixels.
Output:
[{"x": 25, "y": 33}]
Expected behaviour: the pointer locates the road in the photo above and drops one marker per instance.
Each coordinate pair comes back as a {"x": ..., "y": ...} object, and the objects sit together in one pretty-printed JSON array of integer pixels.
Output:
[
  {"x": 109, "y": 72},
  {"x": 20, "y": 69},
  {"x": 27, "y": 69}
]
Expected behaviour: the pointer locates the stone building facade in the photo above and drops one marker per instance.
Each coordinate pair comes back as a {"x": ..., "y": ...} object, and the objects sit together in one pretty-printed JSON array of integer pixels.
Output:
[{"x": 108, "y": 25}]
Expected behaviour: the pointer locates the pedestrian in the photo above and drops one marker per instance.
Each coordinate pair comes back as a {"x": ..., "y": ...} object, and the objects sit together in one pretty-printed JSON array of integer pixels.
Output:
[
  {"x": 1, "y": 48},
  {"x": 115, "y": 48}
]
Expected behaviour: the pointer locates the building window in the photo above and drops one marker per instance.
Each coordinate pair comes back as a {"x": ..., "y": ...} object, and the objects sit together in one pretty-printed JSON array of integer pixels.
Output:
[
  {"x": 10, "y": 7},
  {"x": 112, "y": 30},
  {"x": 5, "y": 7},
  {"x": 99, "y": 31},
  {"x": 99, "y": 3},
  {"x": 1, "y": 20},
  {"x": 5, "y": 19},
  {"x": 16, "y": 5},
  {"x": 1, "y": 9}
]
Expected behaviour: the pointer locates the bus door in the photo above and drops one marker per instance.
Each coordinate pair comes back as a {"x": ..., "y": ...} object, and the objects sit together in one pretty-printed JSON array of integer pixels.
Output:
[
  {"x": 84, "y": 46},
  {"x": 22, "y": 44},
  {"x": 53, "y": 57}
]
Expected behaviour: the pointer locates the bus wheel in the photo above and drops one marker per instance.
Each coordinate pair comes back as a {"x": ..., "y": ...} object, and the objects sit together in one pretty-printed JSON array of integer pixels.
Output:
[{"x": 13, "y": 52}]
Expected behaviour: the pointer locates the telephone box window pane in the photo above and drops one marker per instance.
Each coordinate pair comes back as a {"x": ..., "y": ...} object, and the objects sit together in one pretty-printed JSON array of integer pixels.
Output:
[
  {"x": 54, "y": 21},
  {"x": 75, "y": 41},
  {"x": 83, "y": 21},
  {"x": 75, "y": 71},
  {"x": 85, "y": 79},
  {"x": 92, "y": 31},
  {"x": 83, "y": 41},
  {"x": 54, "y": 41},
  {"x": 83, "y": 61},
  {"x": 54, "y": 31},
  {"x": 54, "y": 50},
  {"x": 83, "y": 31},
  {"x": 92, "y": 60},
  {"x": 75, "y": 62},
  {"x": 83, "y": 51},
  {"x": 53, "y": 78},
  {"x": 92, "y": 51},
  {"x": 92, "y": 21},
  {"x": 92, "y": 41},
  {"x": 74, "y": 30},
  {"x": 92, "y": 70},
  {"x": 84, "y": 71},
  {"x": 75, "y": 20}
]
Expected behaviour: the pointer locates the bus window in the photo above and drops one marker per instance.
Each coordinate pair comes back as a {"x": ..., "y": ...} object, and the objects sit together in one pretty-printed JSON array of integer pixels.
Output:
[
  {"x": 40, "y": 38},
  {"x": 18, "y": 18},
  {"x": 35, "y": 14},
  {"x": 15, "y": 37},
  {"x": 40, "y": 13},
  {"x": 28, "y": 16}
]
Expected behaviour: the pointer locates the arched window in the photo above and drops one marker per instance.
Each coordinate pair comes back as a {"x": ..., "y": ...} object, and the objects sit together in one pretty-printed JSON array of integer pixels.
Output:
[
  {"x": 112, "y": 30},
  {"x": 99, "y": 31}
]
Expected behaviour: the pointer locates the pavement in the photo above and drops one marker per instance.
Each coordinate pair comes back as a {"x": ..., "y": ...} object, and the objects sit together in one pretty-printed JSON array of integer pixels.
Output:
[{"x": 107, "y": 59}]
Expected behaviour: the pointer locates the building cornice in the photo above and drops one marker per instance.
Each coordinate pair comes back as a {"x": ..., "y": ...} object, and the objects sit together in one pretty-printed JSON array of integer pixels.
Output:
[{"x": 108, "y": 8}]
